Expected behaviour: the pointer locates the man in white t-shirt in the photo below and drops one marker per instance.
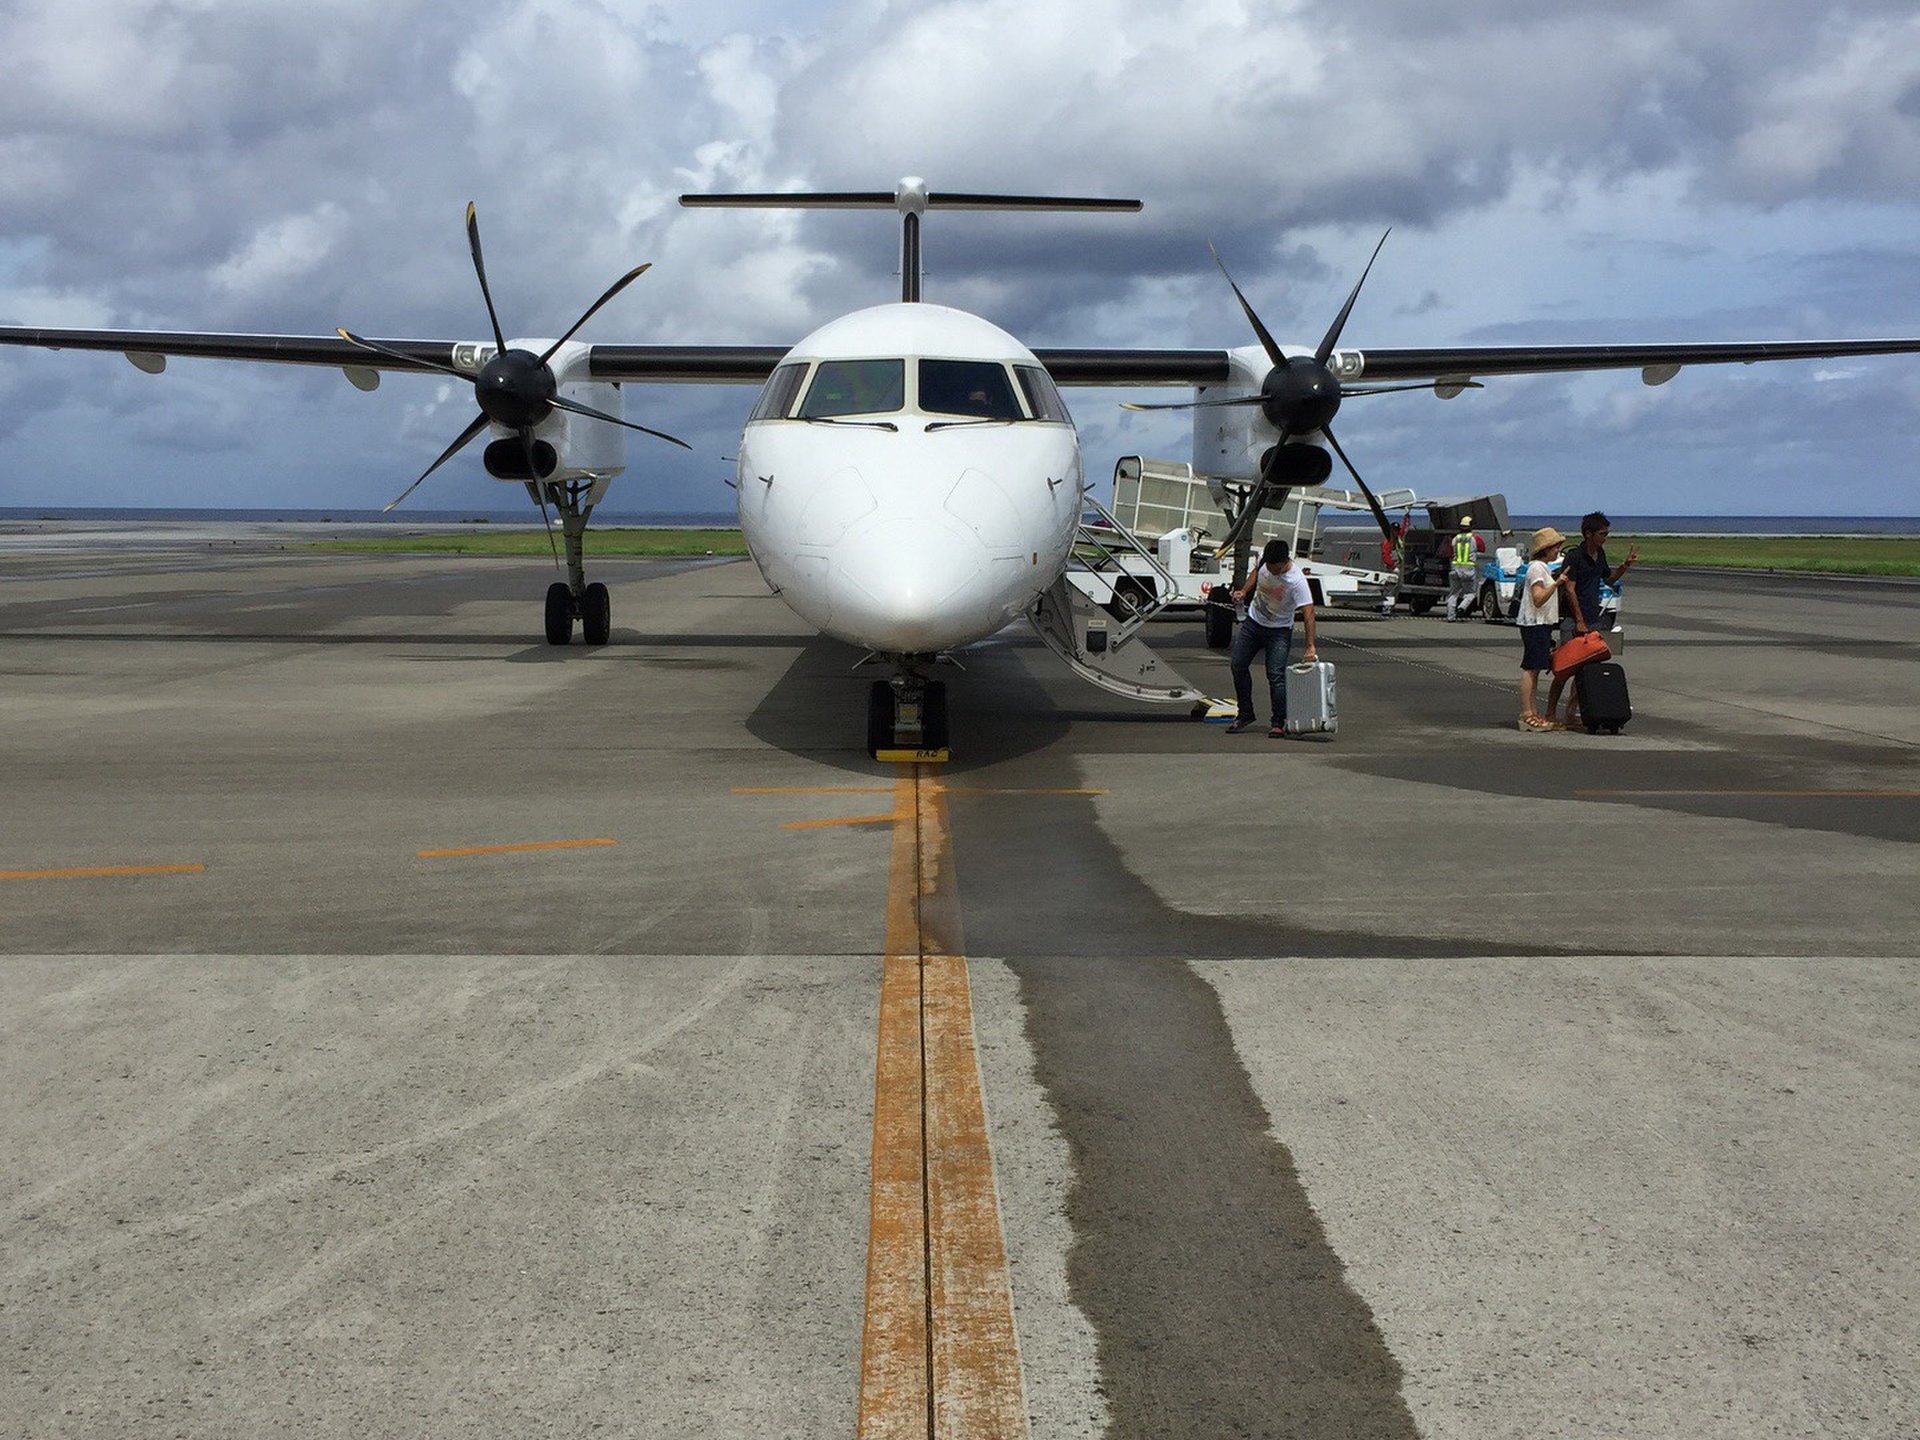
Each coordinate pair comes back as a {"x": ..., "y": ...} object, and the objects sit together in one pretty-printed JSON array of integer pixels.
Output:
[{"x": 1272, "y": 594}]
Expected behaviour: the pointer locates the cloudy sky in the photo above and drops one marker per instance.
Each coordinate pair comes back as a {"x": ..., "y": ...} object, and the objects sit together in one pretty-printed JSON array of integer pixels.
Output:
[{"x": 1643, "y": 170}]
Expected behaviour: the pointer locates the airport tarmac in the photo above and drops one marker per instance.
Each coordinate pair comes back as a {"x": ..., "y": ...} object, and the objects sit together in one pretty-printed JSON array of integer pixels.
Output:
[{"x": 407, "y": 1027}]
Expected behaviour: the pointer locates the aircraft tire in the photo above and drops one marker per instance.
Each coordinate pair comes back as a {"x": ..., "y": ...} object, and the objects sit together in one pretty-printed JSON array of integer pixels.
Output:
[
  {"x": 596, "y": 615},
  {"x": 933, "y": 716},
  {"x": 879, "y": 717},
  {"x": 559, "y": 614}
]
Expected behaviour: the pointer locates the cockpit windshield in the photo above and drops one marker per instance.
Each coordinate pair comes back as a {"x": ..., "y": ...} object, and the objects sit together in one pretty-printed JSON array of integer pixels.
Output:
[
  {"x": 979, "y": 389},
  {"x": 855, "y": 387},
  {"x": 1042, "y": 398}
]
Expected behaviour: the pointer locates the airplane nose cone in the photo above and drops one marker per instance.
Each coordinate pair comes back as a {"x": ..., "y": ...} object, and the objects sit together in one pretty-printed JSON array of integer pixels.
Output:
[{"x": 902, "y": 586}]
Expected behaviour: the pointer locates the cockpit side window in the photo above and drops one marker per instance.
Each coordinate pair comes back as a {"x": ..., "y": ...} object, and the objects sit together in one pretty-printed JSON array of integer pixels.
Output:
[
  {"x": 978, "y": 388},
  {"x": 1042, "y": 398},
  {"x": 776, "y": 397},
  {"x": 855, "y": 387}
]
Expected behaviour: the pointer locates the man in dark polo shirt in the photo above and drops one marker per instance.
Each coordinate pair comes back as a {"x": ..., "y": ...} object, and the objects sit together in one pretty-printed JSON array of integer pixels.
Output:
[{"x": 1586, "y": 567}]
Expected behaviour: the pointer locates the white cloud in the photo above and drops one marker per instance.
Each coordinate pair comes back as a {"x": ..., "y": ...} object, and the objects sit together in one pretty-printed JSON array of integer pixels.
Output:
[{"x": 282, "y": 252}]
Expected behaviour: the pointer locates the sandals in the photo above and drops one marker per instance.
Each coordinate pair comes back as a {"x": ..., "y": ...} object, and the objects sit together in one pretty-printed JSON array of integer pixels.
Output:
[{"x": 1536, "y": 724}]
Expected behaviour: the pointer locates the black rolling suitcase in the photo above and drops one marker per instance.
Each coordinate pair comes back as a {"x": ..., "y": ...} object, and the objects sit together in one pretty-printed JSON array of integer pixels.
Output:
[{"x": 1603, "y": 697}]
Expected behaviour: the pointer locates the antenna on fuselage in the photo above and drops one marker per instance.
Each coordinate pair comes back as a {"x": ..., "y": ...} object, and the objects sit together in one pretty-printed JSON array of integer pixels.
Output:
[{"x": 911, "y": 199}]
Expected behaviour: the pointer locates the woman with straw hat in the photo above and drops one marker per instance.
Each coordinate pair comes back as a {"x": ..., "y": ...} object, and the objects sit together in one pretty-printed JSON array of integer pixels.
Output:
[{"x": 1538, "y": 618}]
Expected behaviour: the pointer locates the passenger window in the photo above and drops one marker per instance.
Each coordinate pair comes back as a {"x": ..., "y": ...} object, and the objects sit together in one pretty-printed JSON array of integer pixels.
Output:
[
  {"x": 855, "y": 387},
  {"x": 1042, "y": 398},
  {"x": 776, "y": 397},
  {"x": 977, "y": 388}
]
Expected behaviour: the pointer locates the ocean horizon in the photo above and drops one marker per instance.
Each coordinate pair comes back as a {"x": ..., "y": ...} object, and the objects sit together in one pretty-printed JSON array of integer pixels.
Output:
[{"x": 724, "y": 519}]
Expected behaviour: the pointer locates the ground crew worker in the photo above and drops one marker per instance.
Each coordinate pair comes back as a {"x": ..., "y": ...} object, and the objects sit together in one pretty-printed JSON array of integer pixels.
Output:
[{"x": 1464, "y": 575}]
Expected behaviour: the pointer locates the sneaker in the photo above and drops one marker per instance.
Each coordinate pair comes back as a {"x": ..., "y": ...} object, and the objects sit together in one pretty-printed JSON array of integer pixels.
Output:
[
  {"x": 1278, "y": 732},
  {"x": 1245, "y": 722}
]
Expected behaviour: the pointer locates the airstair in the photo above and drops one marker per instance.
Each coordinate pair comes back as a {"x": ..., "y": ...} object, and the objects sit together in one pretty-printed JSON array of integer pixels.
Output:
[{"x": 1099, "y": 645}]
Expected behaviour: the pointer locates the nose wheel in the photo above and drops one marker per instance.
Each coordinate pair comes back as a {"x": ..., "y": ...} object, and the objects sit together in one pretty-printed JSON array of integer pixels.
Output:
[{"x": 907, "y": 718}]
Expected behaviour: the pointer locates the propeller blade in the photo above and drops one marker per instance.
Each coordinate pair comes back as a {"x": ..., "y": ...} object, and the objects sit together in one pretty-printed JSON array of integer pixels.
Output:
[
  {"x": 612, "y": 290},
  {"x": 378, "y": 349},
  {"x": 1379, "y": 515},
  {"x": 1340, "y": 321},
  {"x": 480, "y": 269},
  {"x": 540, "y": 496},
  {"x": 1256, "y": 501},
  {"x": 1194, "y": 404},
  {"x": 466, "y": 435},
  {"x": 560, "y": 402},
  {"x": 1396, "y": 389},
  {"x": 1274, "y": 354}
]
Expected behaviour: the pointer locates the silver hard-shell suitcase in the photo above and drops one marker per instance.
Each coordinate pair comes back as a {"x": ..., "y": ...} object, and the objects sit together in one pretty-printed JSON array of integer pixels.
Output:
[{"x": 1311, "y": 706}]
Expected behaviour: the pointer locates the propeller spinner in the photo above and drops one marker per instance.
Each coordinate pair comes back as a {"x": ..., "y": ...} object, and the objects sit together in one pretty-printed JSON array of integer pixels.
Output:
[{"x": 515, "y": 389}]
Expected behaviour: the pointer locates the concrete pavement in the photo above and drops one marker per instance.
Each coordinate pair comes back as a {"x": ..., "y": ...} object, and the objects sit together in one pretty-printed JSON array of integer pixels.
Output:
[{"x": 1439, "y": 1079}]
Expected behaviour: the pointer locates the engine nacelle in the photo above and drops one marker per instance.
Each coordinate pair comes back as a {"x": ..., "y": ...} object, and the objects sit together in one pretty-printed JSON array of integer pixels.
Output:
[
  {"x": 1232, "y": 441},
  {"x": 565, "y": 446},
  {"x": 1229, "y": 440}
]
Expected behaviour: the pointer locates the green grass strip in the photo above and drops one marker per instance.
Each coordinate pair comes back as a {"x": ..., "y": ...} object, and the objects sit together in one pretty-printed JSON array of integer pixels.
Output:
[
  {"x": 1839, "y": 555},
  {"x": 533, "y": 542},
  {"x": 1832, "y": 554}
]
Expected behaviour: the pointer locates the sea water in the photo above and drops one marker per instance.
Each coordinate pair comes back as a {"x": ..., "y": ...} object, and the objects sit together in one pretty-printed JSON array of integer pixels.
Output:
[{"x": 724, "y": 519}]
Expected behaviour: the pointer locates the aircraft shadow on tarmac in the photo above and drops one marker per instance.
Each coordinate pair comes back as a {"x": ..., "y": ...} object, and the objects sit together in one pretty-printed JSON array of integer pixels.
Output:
[{"x": 535, "y": 649}]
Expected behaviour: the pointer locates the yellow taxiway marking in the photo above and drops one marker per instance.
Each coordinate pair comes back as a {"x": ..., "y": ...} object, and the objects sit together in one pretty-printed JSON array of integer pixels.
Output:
[
  {"x": 813, "y": 790},
  {"x": 926, "y": 788},
  {"x": 1767, "y": 794},
  {"x": 939, "y": 1356},
  {"x": 888, "y": 790},
  {"x": 992, "y": 790},
  {"x": 87, "y": 872},
  {"x": 511, "y": 849}
]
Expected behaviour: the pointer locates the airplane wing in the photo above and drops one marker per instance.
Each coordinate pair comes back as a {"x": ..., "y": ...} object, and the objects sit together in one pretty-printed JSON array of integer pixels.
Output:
[
  {"x": 682, "y": 364},
  {"x": 426, "y": 355},
  {"x": 751, "y": 364},
  {"x": 1434, "y": 364},
  {"x": 1209, "y": 367}
]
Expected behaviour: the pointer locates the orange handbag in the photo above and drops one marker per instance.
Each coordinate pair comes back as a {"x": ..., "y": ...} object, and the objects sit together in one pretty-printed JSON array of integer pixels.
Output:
[{"x": 1580, "y": 650}]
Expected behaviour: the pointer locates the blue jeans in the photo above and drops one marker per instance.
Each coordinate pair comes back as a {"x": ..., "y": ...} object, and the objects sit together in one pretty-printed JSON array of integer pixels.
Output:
[{"x": 1251, "y": 638}]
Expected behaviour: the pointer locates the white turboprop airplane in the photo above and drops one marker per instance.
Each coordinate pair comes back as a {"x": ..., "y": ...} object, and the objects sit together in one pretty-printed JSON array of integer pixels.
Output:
[{"x": 909, "y": 480}]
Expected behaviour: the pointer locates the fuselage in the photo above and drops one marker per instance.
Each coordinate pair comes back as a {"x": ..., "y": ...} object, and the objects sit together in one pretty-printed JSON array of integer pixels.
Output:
[{"x": 909, "y": 480}]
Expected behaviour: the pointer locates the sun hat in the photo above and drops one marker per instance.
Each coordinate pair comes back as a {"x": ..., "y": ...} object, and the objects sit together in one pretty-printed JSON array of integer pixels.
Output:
[{"x": 1545, "y": 538}]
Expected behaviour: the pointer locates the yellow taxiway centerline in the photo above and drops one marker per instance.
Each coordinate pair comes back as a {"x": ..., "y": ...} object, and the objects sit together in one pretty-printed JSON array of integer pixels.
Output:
[
  {"x": 88, "y": 872},
  {"x": 939, "y": 1354},
  {"x": 511, "y": 849}
]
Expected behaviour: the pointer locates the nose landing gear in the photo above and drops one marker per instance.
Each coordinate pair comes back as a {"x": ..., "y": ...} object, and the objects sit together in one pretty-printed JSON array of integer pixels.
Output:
[{"x": 907, "y": 717}]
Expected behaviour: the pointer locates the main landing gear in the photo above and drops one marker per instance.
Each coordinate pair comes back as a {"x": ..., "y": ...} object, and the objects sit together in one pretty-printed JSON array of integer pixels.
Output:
[
  {"x": 573, "y": 598},
  {"x": 907, "y": 716}
]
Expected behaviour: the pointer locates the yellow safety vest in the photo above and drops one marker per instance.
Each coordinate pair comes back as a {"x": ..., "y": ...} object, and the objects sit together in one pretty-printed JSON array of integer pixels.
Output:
[{"x": 1463, "y": 549}]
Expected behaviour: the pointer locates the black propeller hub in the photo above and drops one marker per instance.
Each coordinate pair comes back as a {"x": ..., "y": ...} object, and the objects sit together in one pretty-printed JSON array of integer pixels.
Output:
[
  {"x": 516, "y": 389},
  {"x": 1300, "y": 396}
]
